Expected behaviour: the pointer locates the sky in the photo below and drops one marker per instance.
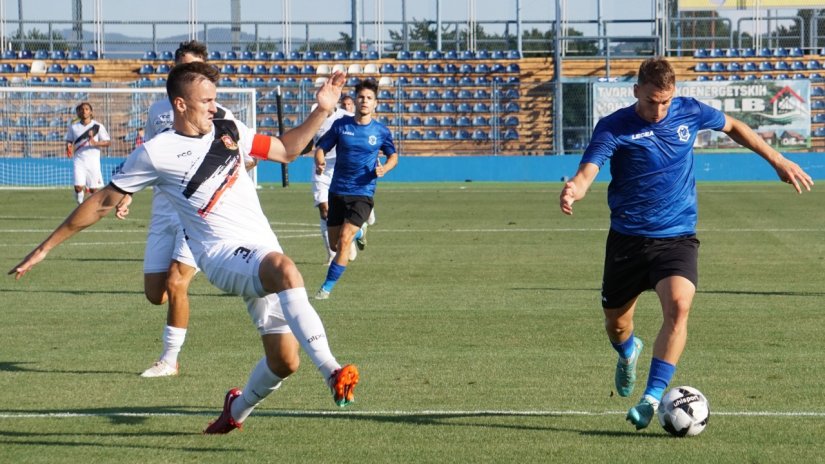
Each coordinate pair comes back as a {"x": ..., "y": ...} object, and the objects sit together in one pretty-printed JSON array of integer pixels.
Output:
[{"x": 339, "y": 10}]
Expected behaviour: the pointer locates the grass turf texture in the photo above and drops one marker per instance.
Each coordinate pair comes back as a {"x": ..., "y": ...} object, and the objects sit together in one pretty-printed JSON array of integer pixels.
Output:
[{"x": 473, "y": 315}]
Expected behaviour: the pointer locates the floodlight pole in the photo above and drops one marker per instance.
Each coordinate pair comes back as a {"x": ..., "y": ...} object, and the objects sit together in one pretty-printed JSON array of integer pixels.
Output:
[{"x": 558, "y": 131}]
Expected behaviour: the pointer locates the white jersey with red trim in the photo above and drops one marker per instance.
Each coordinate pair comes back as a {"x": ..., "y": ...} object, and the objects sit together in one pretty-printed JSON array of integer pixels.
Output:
[
  {"x": 205, "y": 181},
  {"x": 160, "y": 121}
]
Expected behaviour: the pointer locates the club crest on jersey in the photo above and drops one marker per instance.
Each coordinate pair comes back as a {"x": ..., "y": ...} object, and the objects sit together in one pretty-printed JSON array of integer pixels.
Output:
[
  {"x": 683, "y": 132},
  {"x": 372, "y": 140},
  {"x": 228, "y": 142}
]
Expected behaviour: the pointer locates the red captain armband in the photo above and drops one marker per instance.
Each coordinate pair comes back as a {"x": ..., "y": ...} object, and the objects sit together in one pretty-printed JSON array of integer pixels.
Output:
[{"x": 260, "y": 146}]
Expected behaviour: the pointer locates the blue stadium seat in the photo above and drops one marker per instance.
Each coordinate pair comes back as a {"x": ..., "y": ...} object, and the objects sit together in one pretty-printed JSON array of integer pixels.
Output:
[
  {"x": 749, "y": 66},
  {"x": 511, "y": 107},
  {"x": 417, "y": 94},
  {"x": 799, "y": 76},
  {"x": 450, "y": 81},
  {"x": 434, "y": 82},
  {"x": 465, "y": 94},
  {"x": 418, "y": 81},
  {"x": 227, "y": 68},
  {"x": 513, "y": 68},
  {"x": 9, "y": 55},
  {"x": 384, "y": 108},
  {"x": 499, "y": 55},
  {"x": 513, "y": 55},
  {"x": 167, "y": 55},
  {"x": 467, "y": 55},
  {"x": 403, "y": 55},
  {"x": 819, "y": 118},
  {"x": 797, "y": 65},
  {"x": 230, "y": 55},
  {"x": 22, "y": 68},
  {"x": 480, "y": 121},
  {"x": 356, "y": 55},
  {"x": 446, "y": 135},
  {"x": 226, "y": 82},
  {"x": 246, "y": 55},
  {"x": 781, "y": 52},
  {"x": 462, "y": 134},
  {"x": 734, "y": 77},
  {"x": 87, "y": 81},
  {"x": 813, "y": 64},
  {"x": 783, "y": 76},
  {"x": 373, "y": 55},
  {"x": 818, "y": 105},
  {"x": 701, "y": 66},
  {"x": 415, "y": 107},
  {"x": 782, "y": 66},
  {"x": 72, "y": 68},
  {"x": 463, "y": 121},
  {"x": 293, "y": 69},
  {"x": 716, "y": 53},
  {"x": 414, "y": 135},
  {"x": 215, "y": 55},
  {"x": 766, "y": 77},
  {"x": 731, "y": 53},
  {"x": 387, "y": 68},
  {"x": 819, "y": 132},
  {"x": 464, "y": 108},
  {"x": 57, "y": 55},
  {"x": 433, "y": 94},
  {"x": 308, "y": 69},
  {"x": 766, "y": 66},
  {"x": 430, "y": 135},
  {"x": 163, "y": 68},
  {"x": 435, "y": 55},
  {"x": 25, "y": 55},
  {"x": 481, "y": 94},
  {"x": 260, "y": 69},
  {"x": 465, "y": 68},
  {"x": 6, "y": 68},
  {"x": 702, "y": 78},
  {"x": 448, "y": 107},
  {"x": 796, "y": 51},
  {"x": 69, "y": 80},
  {"x": 268, "y": 121},
  {"x": 432, "y": 107},
  {"x": 41, "y": 55},
  {"x": 717, "y": 66},
  {"x": 479, "y": 135},
  {"x": 447, "y": 121},
  {"x": 435, "y": 68},
  {"x": 465, "y": 81},
  {"x": 747, "y": 53},
  {"x": 309, "y": 55},
  {"x": 150, "y": 55},
  {"x": 733, "y": 66},
  {"x": 244, "y": 69},
  {"x": 718, "y": 77},
  {"x": 451, "y": 55},
  {"x": 54, "y": 68},
  {"x": 277, "y": 69},
  {"x": 431, "y": 121},
  {"x": 414, "y": 121},
  {"x": 419, "y": 55},
  {"x": 511, "y": 134},
  {"x": 482, "y": 68},
  {"x": 449, "y": 94},
  {"x": 481, "y": 108}
]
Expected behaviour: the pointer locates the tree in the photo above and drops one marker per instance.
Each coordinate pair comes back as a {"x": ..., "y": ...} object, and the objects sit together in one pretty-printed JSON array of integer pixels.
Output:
[{"x": 36, "y": 40}]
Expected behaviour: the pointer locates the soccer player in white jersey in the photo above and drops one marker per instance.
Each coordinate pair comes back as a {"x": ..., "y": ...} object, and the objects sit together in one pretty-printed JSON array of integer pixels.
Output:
[
  {"x": 199, "y": 168},
  {"x": 321, "y": 176},
  {"x": 84, "y": 139},
  {"x": 168, "y": 264}
]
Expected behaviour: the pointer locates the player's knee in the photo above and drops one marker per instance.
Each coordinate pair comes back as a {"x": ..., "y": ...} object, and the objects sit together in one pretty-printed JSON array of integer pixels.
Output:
[
  {"x": 284, "y": 365},
  {"x": 177, "y": 284},
  {"x": 278, "y": 273},
  {"x": 155, "y": 296}
]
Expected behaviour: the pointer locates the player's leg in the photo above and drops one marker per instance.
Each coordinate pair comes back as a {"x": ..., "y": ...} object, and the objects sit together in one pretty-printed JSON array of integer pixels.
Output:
[
  {"x": 154, "y": 287},
  {"x": 674, "y": 269},
  {"x": 346, "y": 216},
  {"x": 79, "y": 177}
]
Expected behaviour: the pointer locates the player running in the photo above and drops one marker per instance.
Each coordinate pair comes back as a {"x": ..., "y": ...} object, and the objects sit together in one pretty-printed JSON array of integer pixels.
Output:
[{"x": 84, "y": 139}]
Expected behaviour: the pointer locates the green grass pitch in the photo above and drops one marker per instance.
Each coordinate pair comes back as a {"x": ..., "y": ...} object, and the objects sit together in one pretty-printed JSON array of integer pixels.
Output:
[{"x": 473, "y": 315}]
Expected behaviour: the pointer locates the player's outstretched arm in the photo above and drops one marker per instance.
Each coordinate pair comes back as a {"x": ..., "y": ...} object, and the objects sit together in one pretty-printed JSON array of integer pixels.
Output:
[
  {"x": 295, "y": 141},
  {"x": 576, "y": 188},
  {"x": 86, "y": 214},
  {"x": 788, "y": 171}
]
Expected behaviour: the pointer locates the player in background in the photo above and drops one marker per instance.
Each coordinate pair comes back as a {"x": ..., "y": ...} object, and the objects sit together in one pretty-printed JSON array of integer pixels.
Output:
[
  {"x": 357, "y": 140},
  {"x": 321, "y": 177},
  {"x": 226, "y": 229},
  {"x": 652, "y": 241},
  {"x": 168, "y": 264},
  {"x": 84, "y": 139}
]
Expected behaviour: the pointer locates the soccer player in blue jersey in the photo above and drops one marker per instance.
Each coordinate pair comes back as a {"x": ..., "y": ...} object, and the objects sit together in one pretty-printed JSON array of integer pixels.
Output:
[
  {"x": 357, "y": 140},
  {"x": 652, "y": 241}
]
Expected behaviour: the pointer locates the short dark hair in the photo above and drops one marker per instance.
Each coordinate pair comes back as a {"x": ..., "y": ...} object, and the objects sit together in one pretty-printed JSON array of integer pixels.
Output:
[
  {"x": 658, "y": 72},
  {"x": 192, "y": 47},
  {"x": 368, "y": 84},
  {"x": 182, "y": 75},
  {"x": 347, "y": 97}
]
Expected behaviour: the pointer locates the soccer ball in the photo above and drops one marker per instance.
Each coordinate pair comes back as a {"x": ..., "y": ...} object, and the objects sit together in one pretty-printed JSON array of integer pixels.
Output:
[{"x": 684, "y": 412}]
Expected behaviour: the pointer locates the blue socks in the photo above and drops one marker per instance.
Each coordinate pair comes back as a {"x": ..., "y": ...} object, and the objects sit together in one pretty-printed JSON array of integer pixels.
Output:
[
  {"x": 625, "y": 348},
  {"x": 333, "y": 274},
  {"x": 660, "y": 374},
  {"x": 358, "y": 234}
]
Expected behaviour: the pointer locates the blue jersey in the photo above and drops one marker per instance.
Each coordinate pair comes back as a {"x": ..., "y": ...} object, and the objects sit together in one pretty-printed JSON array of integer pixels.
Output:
[
  {"x": 357, "y": 147},
  {"x": 653, "y": 189}
]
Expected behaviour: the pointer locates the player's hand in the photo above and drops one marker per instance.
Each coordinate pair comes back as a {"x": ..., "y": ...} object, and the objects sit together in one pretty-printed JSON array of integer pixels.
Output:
[
  {"x": 567, "y": 198},
  {"x": 791, "y": 173},
  {"x": 329, "y": 93},
  {"x": 122, "y": 208},
  {"x": 320, "y": 165},
  {"x": 379, "y": 169},
  {"x": 37, "y": 255}
]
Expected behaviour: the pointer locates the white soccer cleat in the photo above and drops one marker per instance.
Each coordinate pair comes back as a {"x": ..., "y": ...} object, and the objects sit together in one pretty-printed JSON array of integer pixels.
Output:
[
  {"x": 353, "y": 251},
  {"x": 371, "y": 219},
  {"x": 161, "y": 369},
  {"x": 322, "y": 294}
]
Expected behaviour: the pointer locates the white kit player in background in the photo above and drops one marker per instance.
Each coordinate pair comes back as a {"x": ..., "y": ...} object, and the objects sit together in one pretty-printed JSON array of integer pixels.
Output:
[
  {"x": 84, "y": 139},
  {"x": 168, "y": 264},
  {"x": 199, "y": 167},
  {"x": 322, "y": 176}
]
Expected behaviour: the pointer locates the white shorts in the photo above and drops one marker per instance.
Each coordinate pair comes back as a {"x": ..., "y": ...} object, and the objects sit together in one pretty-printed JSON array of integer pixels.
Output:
[
  {"x": 87, "y": 172},
  {"x": 233, "y": 268},
  {"x": 164, "y": 243},
  {"x": 320, "y": 183}
]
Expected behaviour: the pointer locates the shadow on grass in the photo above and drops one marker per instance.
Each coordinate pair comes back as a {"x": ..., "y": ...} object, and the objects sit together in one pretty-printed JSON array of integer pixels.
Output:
[
  {"x": 10, "y": 366},
  {"x": 700, "y": 291},
  {"x": 138, "y": 415}
]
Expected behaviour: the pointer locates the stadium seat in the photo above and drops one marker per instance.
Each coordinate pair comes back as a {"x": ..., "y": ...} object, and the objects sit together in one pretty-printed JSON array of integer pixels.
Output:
[
  {"x": 819, "y": 118},
  {"x": 450, "y": 81},
  {"x": 415, "y": 107},
  {"x": 384, "y": 107},
  {"x": 702, "y": 78},
  {"x": 481, "y": 94},
  {"x": 446, "y": 135},
  {"x": 749, "y": 66},
  {"x": 813, "y": 64},
  {"x": 466, "y": 81},
  {"x": 277, "y": 69},
  {"x": 309, "y": 55},
  {"x": 243, "y": 69},
  {"x": 215, "y": 55},
  {"x": 25, "y": 55},
  {"x": 447, "y": 121},
  {"x": 354, "y": 68},
  {"x": 260, "y": 69},
  {"x": 701, "y": 66},
  {"x": 227, "y": 68},
  {"x": 718, "y": 77},
  {"x": 449, "y": 94},
  {"x": 451, "y": 55},
  {"x": 499, "y": 55},
  {"x": 308, "y": 69},
  {"x": 430, "y": 135},
  {"x": 717, "y": 66},
  {"x": 72, "y": 68},
  {"x": 373, "y": 55},
  {"x": 403, "y": 55},
  {"x": 463, "y": 121},
  {"x": 479, "y": 135},
  {"x": 465, "y": 68},
  {"x": 387, "y": 68},
  {"x": 765, "y": 66},
  {"x": 766, "y": 77},
  {"x": 8, "y": 55},
  {"x": 818, "y": 105},
  {"x": 371, "y": 68},
  {"x": 449, "y": 107},
  {"x": 356, "y": 55},
  {"x": 413, "y": 135},
  {"x": 432, "y": 107},
  {"x": 511, "y": 134},
  {"x": 147, "y": 68},
  {"x": 414, "y": 121},
  {"x": 467, "y": 55},
  {"x": 385, "y": 81},
  {"x": 511, "y": 107},
  {"x": 482, "y": 68},
  {"x": 733, "y": 66},
  {"x": 86, "y": 81},
  {"x": 435, "y": 55},
  {"x": 246, "y": 55},
  {"x": 150, "y": 55},
  {"x": 167, "y": 56},
  {"x": 163, "y": 68},
  {"x": 797, "y": 65},
  {"x": 464, "y": 108},
  {"x": 782, "y": 66},
  {"x": 462, "y": 134},
  {"x": 819, "y": 132},
  {"x": 465, "y": 94},
  {"x": 431, "y": 121},
  {"x": 435, "y": 68},
  {"x": 715, "y": 53},
  {"x": 781, "y": 52},
  {"x": 747, "y": 53},
  {"x": 341, "y": 56},
  {"x": 480, "y": 121},
  {"x": 419, "y": 55},
  {"x": 292, "y": 69},
  {"x": 513, "y": 55},
  {"x": 41, "y": 55}
]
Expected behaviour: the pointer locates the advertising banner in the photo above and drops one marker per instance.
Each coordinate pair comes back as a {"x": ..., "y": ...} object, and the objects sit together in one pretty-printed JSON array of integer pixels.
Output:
[{"x": 778, "y": 110}]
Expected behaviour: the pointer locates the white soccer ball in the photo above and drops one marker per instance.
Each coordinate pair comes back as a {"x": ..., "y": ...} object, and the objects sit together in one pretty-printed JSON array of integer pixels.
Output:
[{"x": 684, "y": 412}]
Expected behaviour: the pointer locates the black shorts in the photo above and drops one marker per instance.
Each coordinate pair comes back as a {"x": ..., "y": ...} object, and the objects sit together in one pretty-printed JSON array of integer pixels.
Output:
[
  {"x": 353, "y": 209},
  {"x": 634, "y": 264}
]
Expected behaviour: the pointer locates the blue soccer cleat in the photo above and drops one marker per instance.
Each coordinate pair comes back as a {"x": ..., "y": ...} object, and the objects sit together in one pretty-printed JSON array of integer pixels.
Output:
[
  {"x": 641, "y": 414},
  {"x": 626, "y": 369}
]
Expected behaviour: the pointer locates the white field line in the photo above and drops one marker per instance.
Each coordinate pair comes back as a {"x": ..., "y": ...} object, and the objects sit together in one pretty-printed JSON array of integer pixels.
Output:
[{"x": 398, "y": 413}]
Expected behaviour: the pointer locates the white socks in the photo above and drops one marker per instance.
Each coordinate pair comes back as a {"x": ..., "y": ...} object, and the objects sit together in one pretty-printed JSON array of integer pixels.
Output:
[
  {"x": 308, "y": 329},
  {"x": 173, "y": 338},
  {"x": 325, "y": 236},
  {"x": 78, "y": 196},
  {"x": 260, "y": 384}
]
